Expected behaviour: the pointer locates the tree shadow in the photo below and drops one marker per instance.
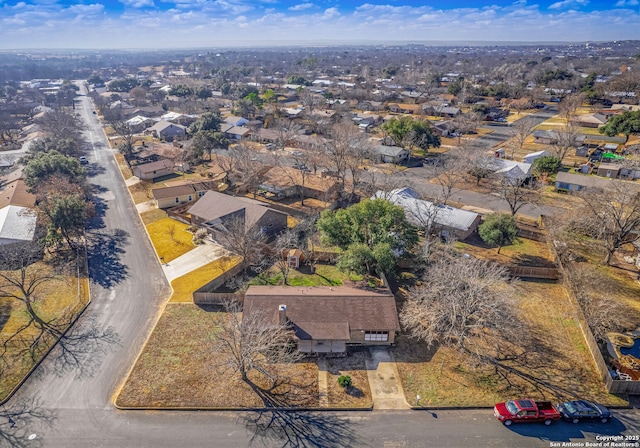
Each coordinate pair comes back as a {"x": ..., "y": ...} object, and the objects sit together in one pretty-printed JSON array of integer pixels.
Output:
[
  {"x": 533, "y": 260},
  {"x": 567, "y": 432},
  {"x": 293, "y": 429},
  {"x": 100, "y": 207},
  {"x": 93, "y": 169},
  {"x": 17, "y": 422},
  {"x": 83, "y": 348},
  {"x": 105, "y": 250}
]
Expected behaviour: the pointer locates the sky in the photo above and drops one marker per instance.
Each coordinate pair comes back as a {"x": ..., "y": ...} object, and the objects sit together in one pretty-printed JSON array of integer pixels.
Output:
[{"x": 129, "y": 24}]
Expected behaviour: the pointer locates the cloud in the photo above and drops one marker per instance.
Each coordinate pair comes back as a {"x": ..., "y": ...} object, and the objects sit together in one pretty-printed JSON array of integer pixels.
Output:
[
  {"x": 137, "y": 3},
  {"x": 301, "y": 6},
  {"x": 330, "y": 13},
  {"x": 623, "y": 3},
  {"x": 568, "y": 4}
]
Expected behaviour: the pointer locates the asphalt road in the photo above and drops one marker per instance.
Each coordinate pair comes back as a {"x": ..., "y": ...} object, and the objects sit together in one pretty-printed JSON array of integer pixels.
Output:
[{"x": 68, "y": 401}]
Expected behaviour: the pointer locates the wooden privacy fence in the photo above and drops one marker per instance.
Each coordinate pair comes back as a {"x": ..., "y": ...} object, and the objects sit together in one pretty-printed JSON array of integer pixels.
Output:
[
  {"x": 534, "y": 272},
  {"x": 215, "y": 298},
  {"x": 613, "y": 386}
]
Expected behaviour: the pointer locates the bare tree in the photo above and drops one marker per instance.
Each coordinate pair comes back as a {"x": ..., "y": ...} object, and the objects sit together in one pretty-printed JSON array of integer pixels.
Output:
[
  {"x": 449, "y": 173},
  {"x": 459, "y": 300},
  {"x": 516, "y": 191},
  {"x": 118, "y": 121},
  {"x": 593, "y": 289},
  {"x": 284, "y": 241},
  {"x": 286, "y": 131},
  {"x": 245, "y": 239},
  {"x": 251, "y": 342},
  {"x": 477, "y": 163},
  {"x": 22, "y": 276},
  {"x": 610, "y": 215},
  {"x": 519, "y": 131},
  {"x": 565, "y": 138}
]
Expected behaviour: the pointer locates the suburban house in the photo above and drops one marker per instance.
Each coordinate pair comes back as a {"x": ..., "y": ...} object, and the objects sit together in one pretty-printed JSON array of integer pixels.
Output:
[
  {"x": 545, "y": 137},
  {"x": 326, "y": 319},
  {"x": 139, "y": 123},
  {"x": 153, "y": 170},
  {"x": 217, "y": 211},
  {"x": 403, "y": 108},
  {"x": 591, "y": 120},
  {"x": 577, "y": 182},
  {"x": 167, "y": 197},
  {"x": 391, "y": 154},
  {"x": 167, "y": 131},
  {"x": 234, "y": 132},
  {"x": 442, "y": 111},
  {"x": 236, "y": 121},
  {"x": 285, "y": 182},
  {"x": 17, "y": 217},
  {"x": 443, "y": 219},
  {"x": 532, "y": 156}
]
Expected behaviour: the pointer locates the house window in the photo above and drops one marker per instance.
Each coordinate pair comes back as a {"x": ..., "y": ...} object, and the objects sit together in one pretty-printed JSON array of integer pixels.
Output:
[
  {"x": 177, "y": 200},
  {"x": 190, "y": 198},
  {"x": 376, "y": 336}
]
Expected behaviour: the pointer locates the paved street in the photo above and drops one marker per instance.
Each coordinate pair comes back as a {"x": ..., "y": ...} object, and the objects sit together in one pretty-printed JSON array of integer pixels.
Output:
[{"x": 70, "y": 398}]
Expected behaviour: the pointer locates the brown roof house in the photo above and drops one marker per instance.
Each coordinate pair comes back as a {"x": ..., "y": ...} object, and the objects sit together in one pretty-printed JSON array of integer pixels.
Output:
[
  {"x": 285, "y": 182},
  {"x": 327, "y": 319},
  {"x": 153, "y": 170},
  {"x": 17, "y": 217},
  {"x": 167, "y": 131},
  {"x": 171, "y": 196},
  {"x": 216, "y": 212}
]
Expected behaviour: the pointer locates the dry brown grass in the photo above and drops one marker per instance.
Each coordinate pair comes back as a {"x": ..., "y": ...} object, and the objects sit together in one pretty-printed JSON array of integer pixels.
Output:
[
  {"x": 553, "y": 362},
  {"x": 354, "y": 366},
  {"x": 523, "y": 252},
  {"x": 178, "y": 367},
  {"x": 140, "y": 192},
  {"x": 62, "y": 298},
  {"x": 123, "y": 166},
  {"x": 151, "y": 216}
]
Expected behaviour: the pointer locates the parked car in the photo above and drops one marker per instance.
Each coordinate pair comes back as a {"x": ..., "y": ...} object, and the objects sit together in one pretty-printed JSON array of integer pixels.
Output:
[
  {"x": 296, "y": 153},
  {"x": 270, "y": 146},
  {"x": 578, "y": 410},
  {"x": 83, "y": 160},
  {"x": 527, "y": 411}
]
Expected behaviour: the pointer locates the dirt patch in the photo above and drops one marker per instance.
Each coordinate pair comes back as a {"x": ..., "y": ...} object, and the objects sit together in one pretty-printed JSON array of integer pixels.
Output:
[{"x": 523, "y": 252}]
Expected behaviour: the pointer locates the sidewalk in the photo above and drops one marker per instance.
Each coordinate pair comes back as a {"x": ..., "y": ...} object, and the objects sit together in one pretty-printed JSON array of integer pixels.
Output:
[
  {"x": 384, "y": 380},
  {"x": 192, "y": 260}
]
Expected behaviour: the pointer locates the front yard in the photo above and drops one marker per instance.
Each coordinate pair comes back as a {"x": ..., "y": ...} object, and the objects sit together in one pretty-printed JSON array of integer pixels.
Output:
[{"x": 554, "y": 362}]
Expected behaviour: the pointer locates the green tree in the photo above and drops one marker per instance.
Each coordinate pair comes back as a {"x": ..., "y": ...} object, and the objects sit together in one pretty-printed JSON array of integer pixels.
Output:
[
  {"x": 407, "y": 132},
  {"x": 46, "y": 164},
  {"x": 627, "y": 123},
  {"x": 204, "y": 93},
  {"x": 269, "y": 96},
  {"x": 181, "y": 90},
  {"x": 207, "y": 141},
  {"x": 298, "y": 79},
  {"x": 547, "y": 165},
  {"x": 209, "y": 121},
  {"x": 372, "y": 234},
  {"x": 498, "y": 229},
  {"x": 122, "y": 85}
]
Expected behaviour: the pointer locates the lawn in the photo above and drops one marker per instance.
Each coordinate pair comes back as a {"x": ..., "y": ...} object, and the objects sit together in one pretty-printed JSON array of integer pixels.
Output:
[
  {"x": 523, "y": 252},
  {"x": 151, "y": 216},
  {"x": 184, "y": 287},
  {"x": 170, "y": 238},
  {"x": 325, "y": 275},
  {"x": 140, "y": 192},
  {"x": 553, "y": 363},
  {"x": 179, "y": 368},
  {"x": 65, "y": 297},
  {"x": 123, "y": 166}
]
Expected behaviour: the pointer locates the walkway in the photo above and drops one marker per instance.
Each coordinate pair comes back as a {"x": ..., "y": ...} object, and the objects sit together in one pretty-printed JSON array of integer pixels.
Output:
[
  {"x": 323, "y": 384},
  {"x": 384, "y": 380},
  {"x": 192, "y": 260}
]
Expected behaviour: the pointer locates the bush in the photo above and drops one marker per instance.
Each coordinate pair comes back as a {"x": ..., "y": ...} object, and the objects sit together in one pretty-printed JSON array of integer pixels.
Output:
[{"x": 345, "y": 381}]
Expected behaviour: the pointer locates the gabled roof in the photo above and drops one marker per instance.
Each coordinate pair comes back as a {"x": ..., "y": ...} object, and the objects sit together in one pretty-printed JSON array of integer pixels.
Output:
[
  {"x": 392, "y": 151},
  {"x": 162, "y": 125},
  {"x": 324, "y": 312},
  {"x": 154, "y": 166},
  {"x": 15, "y": 193},
  {"x": 180, "y": 190},
  {"x": 214, "y": 206},
  {"x": 507, "y": 166},
  {"x": 423, "y": 213}
]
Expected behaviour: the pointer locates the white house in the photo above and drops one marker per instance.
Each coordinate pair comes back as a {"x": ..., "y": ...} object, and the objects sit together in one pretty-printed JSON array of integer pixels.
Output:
[{"x": 529, "y": 158}]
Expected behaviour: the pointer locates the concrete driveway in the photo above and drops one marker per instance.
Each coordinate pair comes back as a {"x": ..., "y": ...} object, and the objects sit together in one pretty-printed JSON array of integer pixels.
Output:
[
  {"x": 384, "y": 380},
  {"x": 192, "y": 260}
]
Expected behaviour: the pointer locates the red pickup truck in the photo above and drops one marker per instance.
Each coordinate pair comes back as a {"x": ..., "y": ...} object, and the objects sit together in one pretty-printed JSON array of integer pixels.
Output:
[{"x": 526, "y": 410}]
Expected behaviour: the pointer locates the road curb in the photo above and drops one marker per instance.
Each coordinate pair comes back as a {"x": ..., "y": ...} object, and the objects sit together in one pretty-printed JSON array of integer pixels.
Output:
[{"x": 240, "y": 409}]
